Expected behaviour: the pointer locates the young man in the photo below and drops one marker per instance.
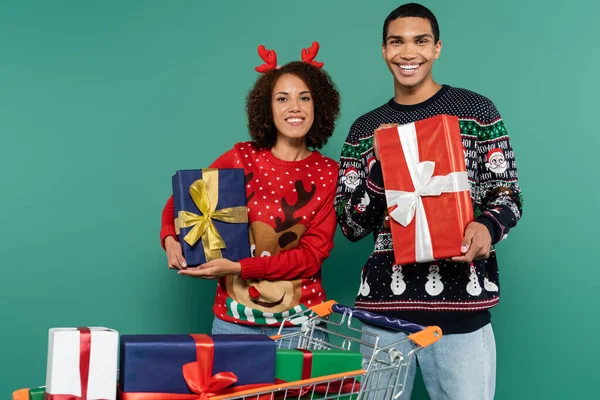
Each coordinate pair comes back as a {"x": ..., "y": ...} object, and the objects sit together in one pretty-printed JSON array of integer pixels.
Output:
[{"x": 462, "y": 365}]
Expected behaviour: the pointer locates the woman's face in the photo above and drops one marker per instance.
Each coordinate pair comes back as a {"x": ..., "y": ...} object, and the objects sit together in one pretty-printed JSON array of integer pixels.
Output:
[{"x": 292, "y": 106}]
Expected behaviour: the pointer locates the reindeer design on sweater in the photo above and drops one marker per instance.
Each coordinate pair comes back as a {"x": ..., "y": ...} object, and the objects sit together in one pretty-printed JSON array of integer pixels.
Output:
[{"x": 268, "y": 240}]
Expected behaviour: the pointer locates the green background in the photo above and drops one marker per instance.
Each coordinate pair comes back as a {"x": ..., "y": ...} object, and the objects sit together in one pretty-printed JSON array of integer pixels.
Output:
[{"x": 102, "y": 101}]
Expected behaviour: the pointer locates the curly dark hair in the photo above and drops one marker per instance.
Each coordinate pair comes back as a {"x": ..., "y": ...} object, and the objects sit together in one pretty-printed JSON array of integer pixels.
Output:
[
  {"x": 326, "y": 100},
  {"x": 412, "y": 10}
]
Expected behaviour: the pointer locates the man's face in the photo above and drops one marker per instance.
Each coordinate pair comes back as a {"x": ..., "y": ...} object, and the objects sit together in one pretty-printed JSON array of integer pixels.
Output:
[{"x": 410, "y": 50}]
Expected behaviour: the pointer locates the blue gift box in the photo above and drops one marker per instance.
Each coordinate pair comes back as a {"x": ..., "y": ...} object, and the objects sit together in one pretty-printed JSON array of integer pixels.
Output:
[
  {"x": 230, "y": 186},
  {"x": 153, "y": 363}
]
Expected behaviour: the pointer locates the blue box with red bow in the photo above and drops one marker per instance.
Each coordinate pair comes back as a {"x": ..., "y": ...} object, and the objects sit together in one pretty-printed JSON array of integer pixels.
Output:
[{"x": 200, "y": 364}]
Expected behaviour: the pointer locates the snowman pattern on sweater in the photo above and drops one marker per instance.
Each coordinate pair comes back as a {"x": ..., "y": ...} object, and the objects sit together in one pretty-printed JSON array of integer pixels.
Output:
[
  {"x": 436, "y": 281},
  {"x": 398, "y": 285},
  {"x": 473, "y": 287},
  {"x": 364, "y": 288},
  {"x": 434, "y": 285}
]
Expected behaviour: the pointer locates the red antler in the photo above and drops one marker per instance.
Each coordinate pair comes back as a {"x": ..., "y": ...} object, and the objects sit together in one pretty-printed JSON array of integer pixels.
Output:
[
  {"x": 270, "y": 59},
  {"x": 308, "y": 55}
]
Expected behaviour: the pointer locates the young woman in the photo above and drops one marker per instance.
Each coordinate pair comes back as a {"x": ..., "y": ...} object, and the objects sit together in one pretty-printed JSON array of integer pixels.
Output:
[{"x": 290, "y": 188}]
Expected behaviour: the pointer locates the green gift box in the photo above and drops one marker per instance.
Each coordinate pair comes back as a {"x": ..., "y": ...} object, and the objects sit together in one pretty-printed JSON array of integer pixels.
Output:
[
  {"x": 37, "y": 393},
  {"x": 294, "y": 365},
  {"x": 29, "y": 394}
]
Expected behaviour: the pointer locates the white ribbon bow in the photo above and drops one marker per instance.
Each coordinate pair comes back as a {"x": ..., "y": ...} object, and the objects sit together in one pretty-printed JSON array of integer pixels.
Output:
[{"x": 410, "y": 204}]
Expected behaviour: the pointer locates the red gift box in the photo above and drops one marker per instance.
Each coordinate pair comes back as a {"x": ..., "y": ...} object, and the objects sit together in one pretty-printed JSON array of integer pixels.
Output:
[{"x": 426, "y": 187}]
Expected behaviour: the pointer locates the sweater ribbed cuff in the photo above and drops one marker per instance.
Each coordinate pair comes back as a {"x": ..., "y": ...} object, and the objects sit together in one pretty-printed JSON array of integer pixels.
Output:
[
  {"x": 375, "y": 180},
  {"x": 167, "y": 230},
  {"x": 491, "y": 225},
  {"x": 252, "y": 268}
]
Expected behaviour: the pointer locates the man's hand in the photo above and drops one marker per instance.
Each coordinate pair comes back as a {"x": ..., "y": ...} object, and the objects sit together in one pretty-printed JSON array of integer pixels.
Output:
[
  {"x": 175, "y": 258},
  {"x": 476, "y": 244},
  {"x": 214, "y": 269},
  {"x": 375, "y": 145}
]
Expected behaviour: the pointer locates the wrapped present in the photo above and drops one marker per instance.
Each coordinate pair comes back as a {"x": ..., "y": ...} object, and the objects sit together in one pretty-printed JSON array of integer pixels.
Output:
[
  {"x": 38, "y": 393},
  {"x": 426, "y": 188},
  {"x": 298, "y": 364},
  {"x": 29, "y": 394},
  {"x": 82, "y": 364},
  {"x": 211, "y": 214},
  {"x": 182, "y": 367}
]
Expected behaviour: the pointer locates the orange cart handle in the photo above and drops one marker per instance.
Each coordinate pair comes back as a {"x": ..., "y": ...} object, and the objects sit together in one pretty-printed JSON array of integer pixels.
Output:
[{"x": 421, "y": 335}]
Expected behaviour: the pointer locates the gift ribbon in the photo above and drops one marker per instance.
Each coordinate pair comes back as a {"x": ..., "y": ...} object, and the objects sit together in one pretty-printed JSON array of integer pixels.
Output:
[
  {"x": 85, "y": 347},
  {"x": 199, "y": 378},
  {"x": 410, "y": 204},
  {"x": 205, "y": 194},
  {"x": 307, "y": 358},
  {"x": 198, "y": 375}
]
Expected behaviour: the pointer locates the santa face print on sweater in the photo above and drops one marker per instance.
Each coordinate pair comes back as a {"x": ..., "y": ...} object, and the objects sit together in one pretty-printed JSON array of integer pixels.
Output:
[
  {"x": 268, "y": 240},
  {"x": 496, "y": 161},
  {"x": 350, "y": 178}
]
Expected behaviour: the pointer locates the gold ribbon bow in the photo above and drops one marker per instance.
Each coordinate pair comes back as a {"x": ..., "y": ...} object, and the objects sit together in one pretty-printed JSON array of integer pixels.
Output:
[{"x": 205, "y": 194}]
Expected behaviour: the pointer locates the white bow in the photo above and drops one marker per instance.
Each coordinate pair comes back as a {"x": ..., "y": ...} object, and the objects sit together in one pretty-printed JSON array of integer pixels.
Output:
[{"x": 425, "y": 183}]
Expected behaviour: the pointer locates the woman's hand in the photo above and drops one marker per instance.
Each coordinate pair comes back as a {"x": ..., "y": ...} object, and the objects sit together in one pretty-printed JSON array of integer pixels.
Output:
[
  {"x": 214, "y": 269},
  {"x": 174, "y": 253}
]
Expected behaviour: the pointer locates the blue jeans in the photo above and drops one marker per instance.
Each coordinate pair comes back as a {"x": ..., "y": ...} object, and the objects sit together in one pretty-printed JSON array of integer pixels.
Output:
[
  {"x": 221, "y": 327},
  {"x": 457, "y": 367}
]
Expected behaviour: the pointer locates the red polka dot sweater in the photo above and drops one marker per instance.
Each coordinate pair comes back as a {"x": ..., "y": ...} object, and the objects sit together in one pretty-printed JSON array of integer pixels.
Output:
[{"x": 292, "y": 224}]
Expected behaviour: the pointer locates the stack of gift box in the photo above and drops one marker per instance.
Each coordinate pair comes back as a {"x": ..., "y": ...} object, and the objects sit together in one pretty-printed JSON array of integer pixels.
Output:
[
  {"x": 429, "y": 203},
  {"x": 82, "y": 365},
  {"x": 96, "y": 363}
]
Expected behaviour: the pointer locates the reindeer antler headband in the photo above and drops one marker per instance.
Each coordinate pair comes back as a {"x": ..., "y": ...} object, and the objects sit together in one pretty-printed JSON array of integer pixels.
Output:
[{"x": 270, "y": 58}]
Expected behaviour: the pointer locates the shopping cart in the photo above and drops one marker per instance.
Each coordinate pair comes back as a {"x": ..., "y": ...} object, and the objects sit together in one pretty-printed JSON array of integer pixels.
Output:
[{"x": 384, "y": 368}]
